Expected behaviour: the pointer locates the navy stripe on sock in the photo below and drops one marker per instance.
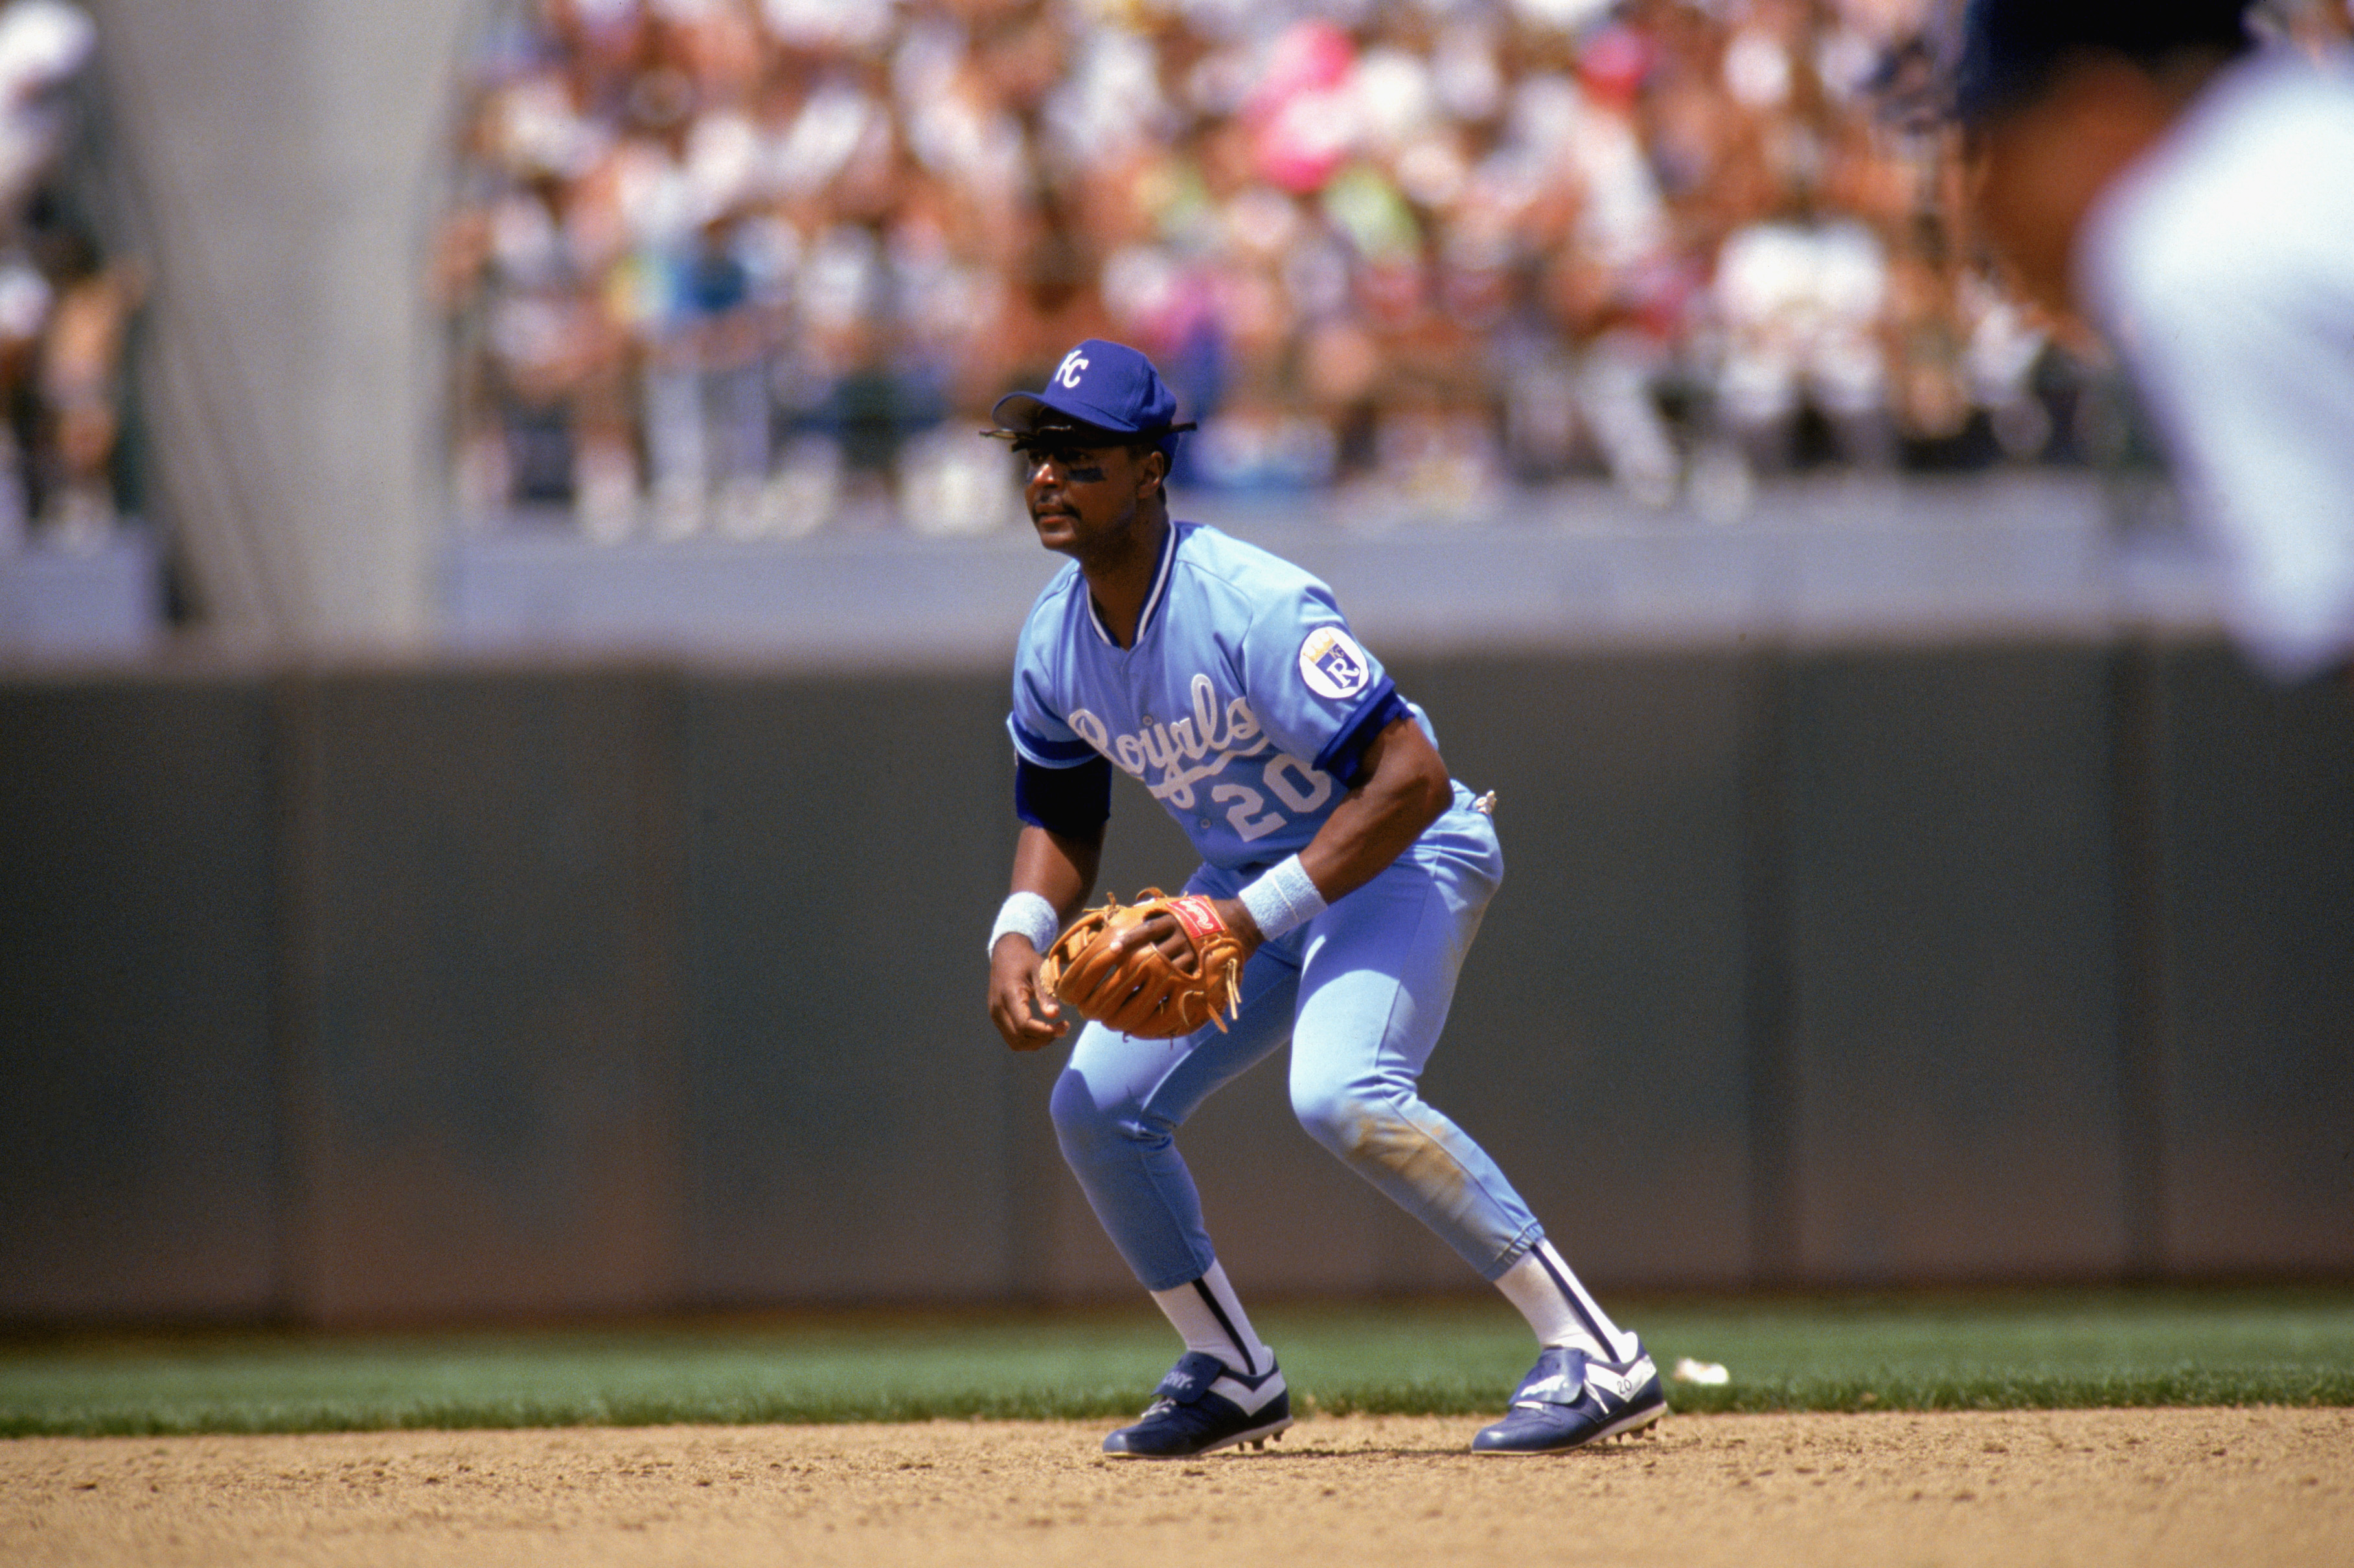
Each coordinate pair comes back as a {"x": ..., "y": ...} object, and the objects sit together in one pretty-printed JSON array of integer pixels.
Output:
[
  {"x": 1210, "y": 1299},
  {"x": 1576, "y": 1305}
]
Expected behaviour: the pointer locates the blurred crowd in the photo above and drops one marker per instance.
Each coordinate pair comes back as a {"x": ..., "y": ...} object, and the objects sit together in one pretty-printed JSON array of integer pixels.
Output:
[
  {"x": 65, "y": 308},
  {"x": 757, "y": 266}
]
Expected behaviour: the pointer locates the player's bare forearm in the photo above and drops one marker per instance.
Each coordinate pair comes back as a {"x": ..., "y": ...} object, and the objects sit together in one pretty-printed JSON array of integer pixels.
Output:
[
  {"x": 1061, "y": 869},
  {"x": 1058, "y": 867},
  {"x": 1407, "y": 789}
]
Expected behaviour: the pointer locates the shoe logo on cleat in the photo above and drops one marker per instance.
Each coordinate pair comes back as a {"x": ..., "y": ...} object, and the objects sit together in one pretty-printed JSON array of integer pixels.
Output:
[{"x": 1554, "y": 1390}]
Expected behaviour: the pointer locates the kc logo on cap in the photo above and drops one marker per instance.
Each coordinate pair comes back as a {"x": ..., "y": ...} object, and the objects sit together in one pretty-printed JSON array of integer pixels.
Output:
[{"x": 1103, "y": 386}]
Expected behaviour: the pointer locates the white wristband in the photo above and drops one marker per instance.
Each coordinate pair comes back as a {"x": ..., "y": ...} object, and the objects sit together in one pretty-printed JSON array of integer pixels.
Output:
[
  {"x": 1030, "y": 914},
  {"x": 1283, "y": 900}
]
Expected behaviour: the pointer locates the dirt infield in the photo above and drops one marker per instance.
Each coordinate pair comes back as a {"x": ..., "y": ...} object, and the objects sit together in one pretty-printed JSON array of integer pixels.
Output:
[{"x": 2075, "y": 1488}]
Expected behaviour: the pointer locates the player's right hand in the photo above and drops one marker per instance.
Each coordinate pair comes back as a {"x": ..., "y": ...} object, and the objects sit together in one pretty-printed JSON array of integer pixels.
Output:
[
  {"x": 1160, "y": 929},
  {"x": 1025, "y": 1017}
]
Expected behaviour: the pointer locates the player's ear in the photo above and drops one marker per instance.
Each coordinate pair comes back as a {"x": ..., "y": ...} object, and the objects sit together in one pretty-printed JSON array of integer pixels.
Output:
[{"x": 1151, "y": 472}]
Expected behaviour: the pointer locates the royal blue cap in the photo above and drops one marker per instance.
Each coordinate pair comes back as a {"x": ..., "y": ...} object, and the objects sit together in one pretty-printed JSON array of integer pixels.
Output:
[{"x": 1099, "y": 384}]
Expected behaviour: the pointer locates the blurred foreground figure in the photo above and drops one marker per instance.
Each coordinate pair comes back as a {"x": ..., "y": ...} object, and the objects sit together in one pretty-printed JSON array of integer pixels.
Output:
[{"x": 2146, "y": 167}]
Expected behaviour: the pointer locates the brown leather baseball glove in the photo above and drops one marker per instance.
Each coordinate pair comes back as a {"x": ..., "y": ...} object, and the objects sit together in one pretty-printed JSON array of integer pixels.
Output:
[{"x": 1139, "y": 992}]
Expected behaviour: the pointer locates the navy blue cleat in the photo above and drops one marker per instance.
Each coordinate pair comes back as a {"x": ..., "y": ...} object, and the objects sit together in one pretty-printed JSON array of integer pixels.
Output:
[
  {"x": 1569, "y": 1400},
  {"x": 1202, "y": 1406}
]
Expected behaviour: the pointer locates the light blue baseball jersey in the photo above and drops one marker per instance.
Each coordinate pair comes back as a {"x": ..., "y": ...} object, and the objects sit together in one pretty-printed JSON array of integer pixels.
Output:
[{"x": 1243, "y": 695}]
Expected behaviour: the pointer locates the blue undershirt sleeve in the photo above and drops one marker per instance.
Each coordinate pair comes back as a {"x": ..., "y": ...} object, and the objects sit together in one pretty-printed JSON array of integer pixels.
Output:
[{"x": 1073, "y": 801}]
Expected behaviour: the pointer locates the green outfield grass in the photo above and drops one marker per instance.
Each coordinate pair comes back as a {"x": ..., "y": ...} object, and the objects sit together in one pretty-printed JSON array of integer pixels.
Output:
[{"x": 2006, "y": 1351}]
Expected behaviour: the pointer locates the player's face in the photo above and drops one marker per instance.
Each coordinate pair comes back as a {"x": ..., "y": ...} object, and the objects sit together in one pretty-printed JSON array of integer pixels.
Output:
[
  {"x": 1082, "y": 496},
  {"x": 2037, "y": 170},
  {"x": 2030, "y": 199}
]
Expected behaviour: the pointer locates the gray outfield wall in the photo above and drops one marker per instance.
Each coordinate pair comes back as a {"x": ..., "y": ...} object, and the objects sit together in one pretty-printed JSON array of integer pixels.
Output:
[{"x": 479, "y": 990}]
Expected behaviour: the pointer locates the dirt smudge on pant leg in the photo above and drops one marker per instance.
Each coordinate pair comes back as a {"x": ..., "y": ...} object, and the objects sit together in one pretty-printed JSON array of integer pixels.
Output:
[{"x": 1387, "y": 1147}]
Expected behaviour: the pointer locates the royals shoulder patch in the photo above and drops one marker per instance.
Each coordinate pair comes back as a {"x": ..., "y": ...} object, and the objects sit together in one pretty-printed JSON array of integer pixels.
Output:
[{"x": 1333, "y": 665}]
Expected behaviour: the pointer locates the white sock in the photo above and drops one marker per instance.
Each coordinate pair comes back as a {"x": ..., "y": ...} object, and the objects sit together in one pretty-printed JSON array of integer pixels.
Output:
[
  {"x": 1208, "y": 1314},
  {"x": 1558, "y": 1308}
]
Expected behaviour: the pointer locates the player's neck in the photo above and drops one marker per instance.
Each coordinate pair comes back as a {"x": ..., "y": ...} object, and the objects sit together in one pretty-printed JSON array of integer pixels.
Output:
[{"x": 1119, "y": 574}]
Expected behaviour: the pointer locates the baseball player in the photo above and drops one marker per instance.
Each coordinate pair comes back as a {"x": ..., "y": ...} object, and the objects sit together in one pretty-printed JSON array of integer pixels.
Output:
[
  {"x": 2142, "y": 164},
  {"x": 1335, "y": 845}
]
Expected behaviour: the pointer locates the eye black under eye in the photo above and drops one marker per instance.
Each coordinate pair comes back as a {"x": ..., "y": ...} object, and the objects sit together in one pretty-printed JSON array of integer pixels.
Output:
[{"x": 1079, "y": 463}]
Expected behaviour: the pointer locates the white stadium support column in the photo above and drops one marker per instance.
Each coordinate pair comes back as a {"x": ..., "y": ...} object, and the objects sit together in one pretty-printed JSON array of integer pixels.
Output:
[{"x": 282, "y": 160}]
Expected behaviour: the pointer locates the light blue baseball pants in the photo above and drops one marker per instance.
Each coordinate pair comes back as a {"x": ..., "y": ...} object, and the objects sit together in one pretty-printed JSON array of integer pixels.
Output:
[{"x": 1360, "y": 991}]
